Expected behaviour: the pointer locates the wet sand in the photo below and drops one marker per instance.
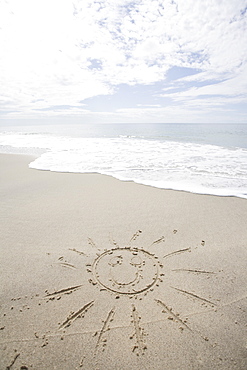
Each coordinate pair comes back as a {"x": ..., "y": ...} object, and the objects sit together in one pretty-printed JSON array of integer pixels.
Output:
[{"x": 98, "y": 273}]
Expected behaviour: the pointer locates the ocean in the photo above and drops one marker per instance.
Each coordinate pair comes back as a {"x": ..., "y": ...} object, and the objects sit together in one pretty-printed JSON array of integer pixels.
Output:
[{"x": 198, "y": 158}]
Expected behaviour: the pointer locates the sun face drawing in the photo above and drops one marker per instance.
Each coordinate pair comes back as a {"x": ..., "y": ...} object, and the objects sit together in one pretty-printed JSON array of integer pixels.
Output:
[
  {"x": 129, "y": 277},
  {"x": 129, "y": 272}
]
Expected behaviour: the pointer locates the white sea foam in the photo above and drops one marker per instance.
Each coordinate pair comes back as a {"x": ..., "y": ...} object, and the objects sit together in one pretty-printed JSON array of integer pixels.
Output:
[{"x": 198, "y": 168}]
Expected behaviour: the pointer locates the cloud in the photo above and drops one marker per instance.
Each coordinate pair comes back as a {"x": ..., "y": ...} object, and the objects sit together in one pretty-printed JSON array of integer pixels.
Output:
[
  {"x": 57, "y": 53},
  {"x": 234, "y": 88}
]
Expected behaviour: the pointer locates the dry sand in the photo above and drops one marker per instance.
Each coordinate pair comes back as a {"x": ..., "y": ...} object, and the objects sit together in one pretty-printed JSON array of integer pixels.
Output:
[{"x": 102, "y": 274}]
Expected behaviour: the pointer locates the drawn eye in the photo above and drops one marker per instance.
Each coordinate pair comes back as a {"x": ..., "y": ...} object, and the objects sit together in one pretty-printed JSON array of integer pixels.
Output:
[
  {"x": 136, "y": 261},
  {"x": 117, "y": 260}
]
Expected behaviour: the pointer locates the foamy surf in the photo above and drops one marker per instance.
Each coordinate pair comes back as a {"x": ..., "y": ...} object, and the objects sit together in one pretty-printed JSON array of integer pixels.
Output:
[{"x": 197, "y": 168}]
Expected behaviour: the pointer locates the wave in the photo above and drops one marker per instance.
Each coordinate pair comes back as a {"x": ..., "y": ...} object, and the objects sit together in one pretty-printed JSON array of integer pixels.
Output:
[{"x": 198, "y": 168}]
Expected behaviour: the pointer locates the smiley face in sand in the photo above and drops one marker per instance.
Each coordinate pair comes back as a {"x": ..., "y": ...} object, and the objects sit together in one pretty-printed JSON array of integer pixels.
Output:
[{"x": 126, "y": 270}]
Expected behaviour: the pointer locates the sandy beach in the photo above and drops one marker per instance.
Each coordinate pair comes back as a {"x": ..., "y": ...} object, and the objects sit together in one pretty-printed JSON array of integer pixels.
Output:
[{"x": 102, "y": 274}]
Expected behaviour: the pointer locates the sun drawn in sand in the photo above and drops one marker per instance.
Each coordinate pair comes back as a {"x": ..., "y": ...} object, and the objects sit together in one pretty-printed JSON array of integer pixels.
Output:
[{"x": 131, "y": 272}]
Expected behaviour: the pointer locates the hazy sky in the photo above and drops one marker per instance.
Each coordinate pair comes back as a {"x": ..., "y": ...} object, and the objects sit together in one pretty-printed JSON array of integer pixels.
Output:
[{"x": 124, "y": 61}]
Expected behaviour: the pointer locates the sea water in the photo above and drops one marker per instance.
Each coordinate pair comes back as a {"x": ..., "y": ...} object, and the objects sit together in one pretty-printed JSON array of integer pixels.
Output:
[{"x": 199, "y": 158}]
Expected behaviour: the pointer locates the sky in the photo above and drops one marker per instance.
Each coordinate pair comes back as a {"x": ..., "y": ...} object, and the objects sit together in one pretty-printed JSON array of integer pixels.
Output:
[{"x": 117, "y": 61}]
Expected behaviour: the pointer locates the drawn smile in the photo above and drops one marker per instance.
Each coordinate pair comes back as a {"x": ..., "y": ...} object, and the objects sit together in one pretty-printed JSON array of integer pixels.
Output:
[{"x": 130, "y": 270}]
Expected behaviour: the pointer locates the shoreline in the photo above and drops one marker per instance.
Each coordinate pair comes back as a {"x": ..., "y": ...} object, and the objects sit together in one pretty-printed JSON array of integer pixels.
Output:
[
  {"x": 65, "y": 238},
  {"x": 33, "y": 157}
]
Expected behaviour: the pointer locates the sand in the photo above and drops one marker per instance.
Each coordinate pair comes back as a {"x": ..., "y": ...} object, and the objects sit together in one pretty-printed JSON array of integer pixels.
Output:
[{"x": 102, "y": 274}]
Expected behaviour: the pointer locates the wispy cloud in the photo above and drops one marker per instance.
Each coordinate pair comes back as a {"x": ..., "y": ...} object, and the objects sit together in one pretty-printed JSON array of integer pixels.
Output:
[{"x": 186, "y": 55}]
